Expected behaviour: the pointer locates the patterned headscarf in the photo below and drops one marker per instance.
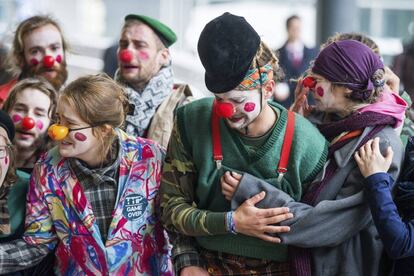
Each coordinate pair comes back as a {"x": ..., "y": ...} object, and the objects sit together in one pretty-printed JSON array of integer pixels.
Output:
[{"x": 252, "y": 79}]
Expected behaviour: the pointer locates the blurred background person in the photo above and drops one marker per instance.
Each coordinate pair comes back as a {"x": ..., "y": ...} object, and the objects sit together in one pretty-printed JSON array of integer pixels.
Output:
[
  {"x": 294, "y": 58},
  {"x": 403, "y": 66}
]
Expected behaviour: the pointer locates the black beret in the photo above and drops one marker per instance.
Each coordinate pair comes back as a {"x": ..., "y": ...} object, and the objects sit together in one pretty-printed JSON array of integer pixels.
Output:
[
  {"x": 7, "y": 124},
  {"x": 166, "y": 35},
  {"x": 227, "y": 46}
]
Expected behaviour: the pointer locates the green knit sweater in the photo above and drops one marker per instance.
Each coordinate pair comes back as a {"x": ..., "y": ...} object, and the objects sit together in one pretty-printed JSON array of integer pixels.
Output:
[{"x": 307, "y": 157}]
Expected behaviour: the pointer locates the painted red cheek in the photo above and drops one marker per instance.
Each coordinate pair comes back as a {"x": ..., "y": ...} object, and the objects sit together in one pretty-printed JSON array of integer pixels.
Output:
[
  {"x": 58, "y": 59},
  {"x": 6, "y": 160},
  {"x": 320, "y": 91},
  {"x": 80, "y": 137},
  {"x": 16, "y": 118},
  {"x": 143, "y": 55},
  {"x": 39, "y": 124},
  {"x": 34, "y": 62},
  {"x": 249, "y": 107}
]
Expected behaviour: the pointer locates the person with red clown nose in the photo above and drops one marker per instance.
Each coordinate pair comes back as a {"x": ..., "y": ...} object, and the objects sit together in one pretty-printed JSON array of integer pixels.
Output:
[
  {"x": 146, "y": 73},
  {"x": 92, "y": 200},
  {"x": 236, "y": 132},
  {"x": 32, "y": 106},
  {"x": 38, "y": 51}
]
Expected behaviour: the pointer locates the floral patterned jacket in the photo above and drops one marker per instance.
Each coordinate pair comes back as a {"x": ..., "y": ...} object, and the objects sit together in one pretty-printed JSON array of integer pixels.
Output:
[{"x": 58, "y": 214}]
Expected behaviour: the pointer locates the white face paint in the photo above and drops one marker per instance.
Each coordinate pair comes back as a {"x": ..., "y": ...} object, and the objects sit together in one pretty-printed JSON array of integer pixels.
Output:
[
  {"x": 34, "y": 104},
  {"x": 247, "y": 106},
  {"x": 327, "y": 97},
  {"x": 41, "y": 42},
  {"x": 81, "y": 144}
]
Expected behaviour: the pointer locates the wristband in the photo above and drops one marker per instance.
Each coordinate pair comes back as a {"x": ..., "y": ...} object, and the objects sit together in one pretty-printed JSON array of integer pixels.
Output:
[{"x": 230, "y": 225}]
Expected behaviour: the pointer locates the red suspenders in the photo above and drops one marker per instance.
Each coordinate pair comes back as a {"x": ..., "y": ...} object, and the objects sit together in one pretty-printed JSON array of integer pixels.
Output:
[{"x": 284, "y": 155}]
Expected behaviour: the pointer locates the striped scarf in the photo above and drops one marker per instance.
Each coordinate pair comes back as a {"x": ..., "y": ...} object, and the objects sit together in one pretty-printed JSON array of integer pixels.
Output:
[{"x": 144, "y": 104}]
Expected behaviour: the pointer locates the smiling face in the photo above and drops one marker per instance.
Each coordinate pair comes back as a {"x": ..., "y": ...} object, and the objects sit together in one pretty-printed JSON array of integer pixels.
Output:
[
  {"x": 81, "y": 144},
  {"x": 148, "y": 56},
  {"x": 34, "y": 104},
  {"x": 247, "y": 106},
  {"x": 41, "y": 42}
]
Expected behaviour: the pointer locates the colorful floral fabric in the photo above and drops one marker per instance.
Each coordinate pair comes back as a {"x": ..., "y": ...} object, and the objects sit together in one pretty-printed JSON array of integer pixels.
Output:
[{"x": 58, "y": 213}]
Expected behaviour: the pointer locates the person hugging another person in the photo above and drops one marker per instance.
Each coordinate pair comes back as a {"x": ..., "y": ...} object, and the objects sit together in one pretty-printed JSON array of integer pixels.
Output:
[
  {"x": 237, "y": 130},
  {"x": 94, "y": 196},
  {"x": 32, "y": 106},
  {"x": 333, "y": 219}
]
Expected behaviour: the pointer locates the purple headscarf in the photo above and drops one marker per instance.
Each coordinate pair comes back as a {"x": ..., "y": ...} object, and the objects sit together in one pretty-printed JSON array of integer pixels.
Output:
[{"x": 349, "y": 63}]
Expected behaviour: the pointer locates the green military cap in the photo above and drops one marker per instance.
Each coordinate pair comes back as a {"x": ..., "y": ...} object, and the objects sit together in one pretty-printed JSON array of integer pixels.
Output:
[{"x": 166, "y": 35}]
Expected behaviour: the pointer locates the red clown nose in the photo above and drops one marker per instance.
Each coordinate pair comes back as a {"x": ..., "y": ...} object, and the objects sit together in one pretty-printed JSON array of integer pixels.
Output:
[
  {"x": 224, "y": 110},
  {"x": 309, "y": 82},
  {"x": 48, "y": 61},
  {"x": 125, "y": 56},
  {"x": 28, "y": 123}
]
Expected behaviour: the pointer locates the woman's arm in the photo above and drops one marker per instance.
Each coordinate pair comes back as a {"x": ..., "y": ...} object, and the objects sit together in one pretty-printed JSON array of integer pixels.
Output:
[
  {"x": 180, "y": 212},
  {"x": 397, "y": 236},
  {"x": 337, "y": 219}
]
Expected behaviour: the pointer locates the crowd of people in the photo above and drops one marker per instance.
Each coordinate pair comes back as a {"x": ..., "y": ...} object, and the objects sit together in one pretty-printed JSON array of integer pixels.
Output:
[{"x": 129, "y": 175}]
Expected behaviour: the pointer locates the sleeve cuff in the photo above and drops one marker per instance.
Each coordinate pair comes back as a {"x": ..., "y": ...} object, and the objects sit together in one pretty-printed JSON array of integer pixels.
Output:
[
  {"x": 377, "y": 179},
  {"x": 216, "y": 223},
  {"x": 188, "y": 259}
]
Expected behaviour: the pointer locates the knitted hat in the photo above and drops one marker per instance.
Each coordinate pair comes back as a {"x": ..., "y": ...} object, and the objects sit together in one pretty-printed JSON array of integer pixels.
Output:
[
  {"x": 166, "y": 35},
  {"x": 227, "y": 46},
  {"x": 7, "y": 124}
]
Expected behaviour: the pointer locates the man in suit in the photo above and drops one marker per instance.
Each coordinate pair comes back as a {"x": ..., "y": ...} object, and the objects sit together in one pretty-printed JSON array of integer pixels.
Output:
[{"x": 294, "y": 57}]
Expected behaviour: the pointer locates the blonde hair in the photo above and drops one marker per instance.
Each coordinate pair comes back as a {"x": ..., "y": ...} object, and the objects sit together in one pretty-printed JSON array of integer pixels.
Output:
[
  {"x": 353, "y": 36},
  {"x": 17, "y": 59},
  {"x": 100, "y": 102},
  {"x": 265, "y": 55}
]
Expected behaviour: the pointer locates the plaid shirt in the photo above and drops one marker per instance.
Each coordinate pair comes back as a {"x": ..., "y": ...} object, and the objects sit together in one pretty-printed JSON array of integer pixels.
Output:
[
  {"x": 184, "y": 252},
  {"x": 100, "y": 187},
  {"x": 18, "y": 255}
]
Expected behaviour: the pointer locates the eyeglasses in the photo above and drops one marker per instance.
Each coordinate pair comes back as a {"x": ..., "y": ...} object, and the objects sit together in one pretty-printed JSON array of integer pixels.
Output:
[{"x": 4, "y": 151}]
